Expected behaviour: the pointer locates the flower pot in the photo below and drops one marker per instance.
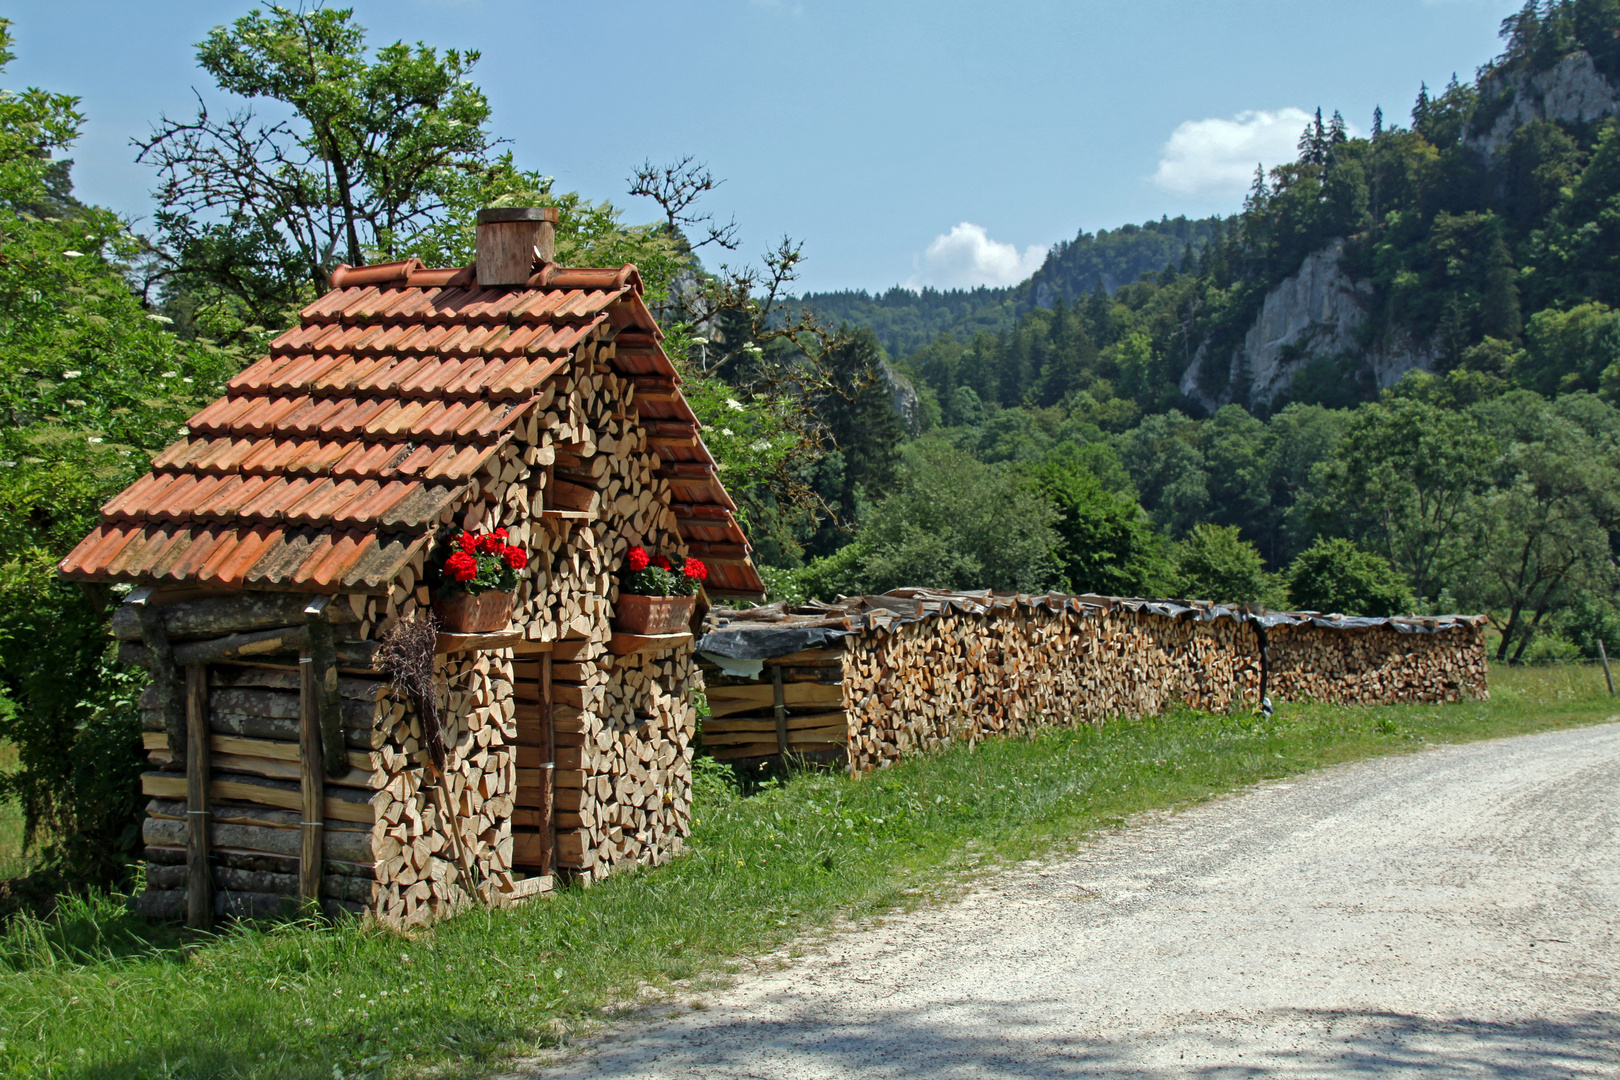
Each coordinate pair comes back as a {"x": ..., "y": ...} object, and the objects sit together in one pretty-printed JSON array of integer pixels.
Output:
[
  {"x": 653, "y": 614},
  {"x": 464, "y": 613}
]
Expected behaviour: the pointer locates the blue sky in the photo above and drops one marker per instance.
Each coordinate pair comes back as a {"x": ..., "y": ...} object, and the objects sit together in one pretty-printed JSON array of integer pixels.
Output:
[{"x": 941, "y": 142}]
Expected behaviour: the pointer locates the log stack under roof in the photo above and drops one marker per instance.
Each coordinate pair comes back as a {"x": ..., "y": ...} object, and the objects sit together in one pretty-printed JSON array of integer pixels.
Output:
[{"x": 870, "y": 679}]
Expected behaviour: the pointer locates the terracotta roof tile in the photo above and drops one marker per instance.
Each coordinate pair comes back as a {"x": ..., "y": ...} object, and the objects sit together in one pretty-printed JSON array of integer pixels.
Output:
[{"x": 329, "y": 461}]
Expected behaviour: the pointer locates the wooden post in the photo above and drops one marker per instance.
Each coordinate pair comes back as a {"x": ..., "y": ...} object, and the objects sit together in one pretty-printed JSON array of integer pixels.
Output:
[
  {"x": 328, "y": 705},
  {"x": 781, "y": 713},
  {"x": 165, "y": 675},
  {"x": 312, "y": 781},
  {"x": 1603, "y": 654},
  {"x": 199, "y": 881},
  {"x": 548, "y": 774}
]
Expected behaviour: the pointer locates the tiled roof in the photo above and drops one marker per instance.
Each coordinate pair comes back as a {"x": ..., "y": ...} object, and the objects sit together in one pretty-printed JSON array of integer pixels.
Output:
[{"x": 327, "y": 462}]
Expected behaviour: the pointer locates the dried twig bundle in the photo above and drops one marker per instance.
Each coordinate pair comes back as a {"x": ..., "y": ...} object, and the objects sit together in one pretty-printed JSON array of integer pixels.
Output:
[{"x": 407, "y": 653}]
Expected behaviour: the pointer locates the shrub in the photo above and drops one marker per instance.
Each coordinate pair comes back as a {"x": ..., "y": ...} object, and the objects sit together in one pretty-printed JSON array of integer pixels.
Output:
[
  {"x": 1335, "y": 575},
  {"x": 1215, "y": 563}
]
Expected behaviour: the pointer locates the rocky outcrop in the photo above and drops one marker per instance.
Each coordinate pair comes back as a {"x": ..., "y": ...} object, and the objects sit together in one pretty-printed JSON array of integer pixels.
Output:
[
  {"x": 1318, "y": 313},
  {"x": 1571, "y": 92}
]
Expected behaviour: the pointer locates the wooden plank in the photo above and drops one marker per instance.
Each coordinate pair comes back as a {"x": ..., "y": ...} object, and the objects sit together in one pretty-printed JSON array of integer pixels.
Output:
[
  {"x": 173, "y": 786},
  {"x": 726, "y": 700},
  {"x": 199, "y": 882},
  {"x": 629, "y": 644},
  {"x": 767, "y": 724},
  {"x": 831, "y": 734},
  {"x": 312, "y": 783},
  {"x": 240, "y": 746},
  {"x": 454, "y": 643}
]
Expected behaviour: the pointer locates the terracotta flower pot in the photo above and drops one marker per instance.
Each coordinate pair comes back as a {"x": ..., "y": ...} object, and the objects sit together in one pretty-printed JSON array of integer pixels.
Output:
[
  {"x": 464, "y": 613},
  {"x": 653, "y": 614}
]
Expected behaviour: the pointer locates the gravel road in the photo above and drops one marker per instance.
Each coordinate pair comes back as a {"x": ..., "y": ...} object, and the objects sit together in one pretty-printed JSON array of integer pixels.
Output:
[{"x": 1450, "y": 914}]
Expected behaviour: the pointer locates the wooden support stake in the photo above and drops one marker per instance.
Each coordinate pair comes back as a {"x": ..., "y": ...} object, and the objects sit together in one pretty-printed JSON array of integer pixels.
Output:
[
  {"x": 312, "y": 781},
  {"x": 1603, "y": 654},
  {"x": 781, "y": 714},
  {"x": 165, "y": 675},
  {"x": 199, "y": 881},
  {"x": 548, "y": 773},
  {"x": 328, "y": 706}
]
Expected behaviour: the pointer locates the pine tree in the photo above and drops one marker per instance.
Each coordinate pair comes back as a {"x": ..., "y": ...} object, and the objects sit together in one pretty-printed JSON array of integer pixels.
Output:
[{"x": 1337, "y": 136}]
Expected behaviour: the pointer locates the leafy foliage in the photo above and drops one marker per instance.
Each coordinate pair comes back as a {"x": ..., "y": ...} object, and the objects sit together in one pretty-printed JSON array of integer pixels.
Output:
[
  {"x": 1333, "y": 575},
  {"x": 90, "y": 384},
  {"x": 1215, "y": 563}
]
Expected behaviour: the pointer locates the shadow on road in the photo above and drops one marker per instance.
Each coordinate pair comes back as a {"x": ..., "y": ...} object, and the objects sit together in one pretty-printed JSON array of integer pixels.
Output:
[{"x": 898, "y": 1045}]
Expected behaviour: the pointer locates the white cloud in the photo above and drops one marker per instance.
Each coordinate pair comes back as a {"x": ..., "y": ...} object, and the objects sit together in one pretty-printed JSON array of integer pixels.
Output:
[
  {"x": 1217, "y": 157},
  {"x": 966, "y": 257}
]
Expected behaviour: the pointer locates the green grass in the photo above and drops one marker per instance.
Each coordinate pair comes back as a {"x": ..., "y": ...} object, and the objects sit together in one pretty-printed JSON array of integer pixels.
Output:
[{"x": 97, "y": 993}]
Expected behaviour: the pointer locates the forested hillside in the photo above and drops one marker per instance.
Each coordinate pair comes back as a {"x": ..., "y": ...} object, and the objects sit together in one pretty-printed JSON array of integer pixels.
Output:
[
  {"x": 904, "y": 321},
  {"x": 1388, "y": 382}
]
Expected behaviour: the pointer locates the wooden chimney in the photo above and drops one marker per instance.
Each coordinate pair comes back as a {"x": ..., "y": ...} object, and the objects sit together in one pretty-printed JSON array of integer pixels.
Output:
[{"x": 512, "y": 241}]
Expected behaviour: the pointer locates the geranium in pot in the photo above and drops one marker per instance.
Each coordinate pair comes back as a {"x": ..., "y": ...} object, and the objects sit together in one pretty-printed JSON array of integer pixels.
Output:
[
  {"x": 654, "y": 596},
  {"x": 477, "y": 574}
]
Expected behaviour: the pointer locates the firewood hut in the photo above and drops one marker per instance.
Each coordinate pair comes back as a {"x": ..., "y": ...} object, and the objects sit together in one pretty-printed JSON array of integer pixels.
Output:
[{"x": 275, "y": 550}]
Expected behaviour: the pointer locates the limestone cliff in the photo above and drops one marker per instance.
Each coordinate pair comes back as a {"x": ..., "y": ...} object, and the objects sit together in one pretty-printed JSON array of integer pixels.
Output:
[
  {"x": 1572, "y": 92},
  {"x": 1319, "y": 313}
]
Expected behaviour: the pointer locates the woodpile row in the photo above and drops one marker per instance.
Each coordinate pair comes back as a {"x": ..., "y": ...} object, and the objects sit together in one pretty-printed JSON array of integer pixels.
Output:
[
  {"x": 1377, "y": 665},
  {"x": 576, "y": 487},
  {"x": 913, "y": 669}
]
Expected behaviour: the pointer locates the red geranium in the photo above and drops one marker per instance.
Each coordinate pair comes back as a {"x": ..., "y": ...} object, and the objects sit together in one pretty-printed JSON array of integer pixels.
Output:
[
  {"x": 516, "y": 558},
  {"x": 662, "y": 563},
  {"x": 695, "y": 570},
  {"x": 469, "y": 543},
  {"x": 461, "y": 566},
  {"x": 637, "y": 559}
]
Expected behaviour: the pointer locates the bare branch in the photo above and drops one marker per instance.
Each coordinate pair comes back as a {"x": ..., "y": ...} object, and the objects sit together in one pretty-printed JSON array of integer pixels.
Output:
[{"x": 675, "y": 188}]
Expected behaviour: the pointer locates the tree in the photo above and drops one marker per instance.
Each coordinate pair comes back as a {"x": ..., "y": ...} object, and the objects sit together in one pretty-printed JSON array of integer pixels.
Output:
[
  {"x": 950, "y": 523},
  {"x": 1215, "y": 563},
  {"x": 1544, "y": 525},
  {"x": 90, "y": 386},
  {"x": 1167, "y": 470},
  {"x": 262, "y": 209},
  {"x": 1403, "y": 478},
  {"x": 1106, "y": 544},
  {"x": 1334, "y": 575}
]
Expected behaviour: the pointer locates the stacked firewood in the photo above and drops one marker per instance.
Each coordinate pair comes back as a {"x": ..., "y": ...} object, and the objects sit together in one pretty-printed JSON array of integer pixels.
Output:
[
  {"x": 914, "y": 669},
  {"x": 966, "y": 675},
  {"x": 623, "y": 730},
  {"x": 1378, "y": 665}
]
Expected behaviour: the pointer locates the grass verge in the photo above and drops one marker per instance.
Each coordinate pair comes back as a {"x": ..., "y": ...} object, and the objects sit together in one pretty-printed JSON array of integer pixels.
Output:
[{"x": 95, "y": 992}]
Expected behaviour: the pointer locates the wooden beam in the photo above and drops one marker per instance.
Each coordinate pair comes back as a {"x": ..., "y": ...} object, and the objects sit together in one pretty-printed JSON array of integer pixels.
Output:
[
  {"x": 324, "y": 670},
  {"x": 199, "y": 881},
  {"x": 630, "y": 644},
  {"x": 160, "y": 662},
  {"x": 781, "y": 713},
  {"x": 312, "y": 782}
]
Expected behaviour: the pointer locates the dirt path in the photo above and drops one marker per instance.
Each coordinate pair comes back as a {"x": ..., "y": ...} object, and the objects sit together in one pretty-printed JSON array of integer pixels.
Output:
[{"x": 1449, "y": 914}]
